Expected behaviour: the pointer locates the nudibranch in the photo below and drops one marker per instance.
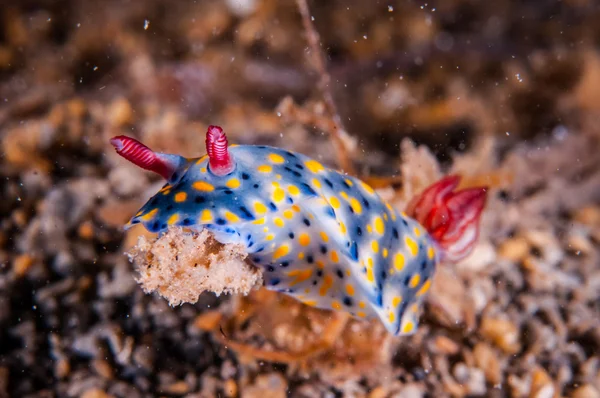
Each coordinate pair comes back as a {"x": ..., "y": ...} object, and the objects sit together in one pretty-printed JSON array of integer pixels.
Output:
[{"x": 325, "y": 238}]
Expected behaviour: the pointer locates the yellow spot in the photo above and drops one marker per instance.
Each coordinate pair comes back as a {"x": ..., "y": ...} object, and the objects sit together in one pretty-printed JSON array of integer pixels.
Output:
[
  {"x": 301, "y": 255},
  {"x": 275, "y": 183},
  {"x": 370, "y": 275},
  {"x": 279, "y": 222},
  {"x": 265, "y": 229},
  {"x": 320, "y": 264},
  {"x": 206, "y": 216},
  {"x": 344, "y": 195},
  {"x": 412, "y": 246},
  {"x": 370, "y": 262},
  {"x": 314, "y": 166},
  {"x": 260, "y": 208},
  {"x": 288, "y": 214},
  {"x": 414, "y": 308},
  {"x": 408, "y": 327},
  {"x": 350, "y": 290},
  {"x": 361, "y": 314},
  {"x": 336, "y": 305},
  {"x": 391, "y": 210},
  {"x": 304, "y": 240},
  {"x": 334, "y": 256},
  {"x": 349, "y": 182},
  {"x": 335, "y": 203},
  {"x": 293, "y": 190},
  {"x": 278, "y": 195},
  {"x": 385, "y": 253},
  {"x": 324, "y": 236},
  {"x": 259, "y": 221},
  {"x": 233, "y": 183},
  {"x": 300, "y": 275},
  {"x": 279, "y": 177},
  {"x": 203, "y": 186},
  {"x": 165, "y": 188},
  {"x": 361, "y": 304},
  {"x": 356, "y": 205},
  {"x": 327, "y": 283},
  {"x": 316, "y": 183},
  {"x": 385, "y": 216},
  {"x": 424, "y": 288},
  {"x": 203, "y": 169},
  {"x": 265, "y": 168},
  {"x": 342, "y": 227},
  {"x": 417, "y": 231},
  {"x": 149, "y": 215},
  {"x": 367, "y": 188},
  {"x": 404, "y": 215},
  {"x": 375, "y": 246},
  {"x": 392, "y": 316},
  {"x": 396, "y": 301},
  {"x": 348, "y": 272},
  {"x": 139, "y": 213},
  {"x": 180, "y": 197},
  {"x": 379, "y": 227},
  {"x": 369, "y": 228},
  {"x": 231, "y": 217},
  {"x": 270, "y": 237},
  {"x": 310, "y": 303},
  {"x": 173, "y": 219},
  {"x": 275, "y": 158},
  {"x": 414, "y": 281},
  {"x": 430, "y": 253},
  {"x": 399, "y": 261},
  {"x": 281, "y": 251},
  {"x": 296, "y": 208}
]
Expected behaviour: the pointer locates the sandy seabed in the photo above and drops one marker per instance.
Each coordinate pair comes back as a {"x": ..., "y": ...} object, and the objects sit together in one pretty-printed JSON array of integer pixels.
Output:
[{"x": 503, "y": 93}]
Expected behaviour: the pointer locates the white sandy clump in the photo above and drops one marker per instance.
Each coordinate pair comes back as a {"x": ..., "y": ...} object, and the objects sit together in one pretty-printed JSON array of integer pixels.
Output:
[{"x": 181, "y": 265}]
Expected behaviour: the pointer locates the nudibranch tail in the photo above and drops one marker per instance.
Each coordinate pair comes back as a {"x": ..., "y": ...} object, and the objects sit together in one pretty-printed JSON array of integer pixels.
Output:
[
  {"x": 220, "y": 160},
  {"x": 451, "y": 218},
  {"x": 142, "y": 156}
]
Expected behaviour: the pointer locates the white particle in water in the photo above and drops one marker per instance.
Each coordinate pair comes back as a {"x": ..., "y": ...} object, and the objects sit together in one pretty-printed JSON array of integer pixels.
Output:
[
  {"x": 146, "y": 24},
  {"x": 390, "y": 8}
]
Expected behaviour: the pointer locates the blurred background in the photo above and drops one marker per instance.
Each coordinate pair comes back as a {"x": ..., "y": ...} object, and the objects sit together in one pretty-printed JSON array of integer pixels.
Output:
[{"x": 506, "y": 92}]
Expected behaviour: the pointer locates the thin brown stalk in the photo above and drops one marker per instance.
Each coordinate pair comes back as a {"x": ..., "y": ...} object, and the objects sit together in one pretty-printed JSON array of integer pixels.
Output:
[{"x": 342, "y": 141}]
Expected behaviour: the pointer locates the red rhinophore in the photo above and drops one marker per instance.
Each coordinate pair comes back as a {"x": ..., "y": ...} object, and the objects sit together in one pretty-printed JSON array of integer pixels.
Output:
[
  {"x": 451, "y": 218},
  {"x": 220, "y": 161},
  {"x": 140, "y": 155}
]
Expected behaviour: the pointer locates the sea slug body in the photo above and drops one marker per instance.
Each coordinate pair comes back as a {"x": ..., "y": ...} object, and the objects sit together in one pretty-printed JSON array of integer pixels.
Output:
[{"x": 323, "y": 237}]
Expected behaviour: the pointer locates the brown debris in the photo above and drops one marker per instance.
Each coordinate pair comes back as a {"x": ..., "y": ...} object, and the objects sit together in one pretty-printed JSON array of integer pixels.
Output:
[{"x": 502, "y": 333}]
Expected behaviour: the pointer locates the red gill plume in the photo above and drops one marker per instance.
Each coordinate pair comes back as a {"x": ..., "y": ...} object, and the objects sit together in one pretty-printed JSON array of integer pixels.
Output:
[
  {"x": 220, "y": 161},
  {"x": 451, "y": 218}
]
